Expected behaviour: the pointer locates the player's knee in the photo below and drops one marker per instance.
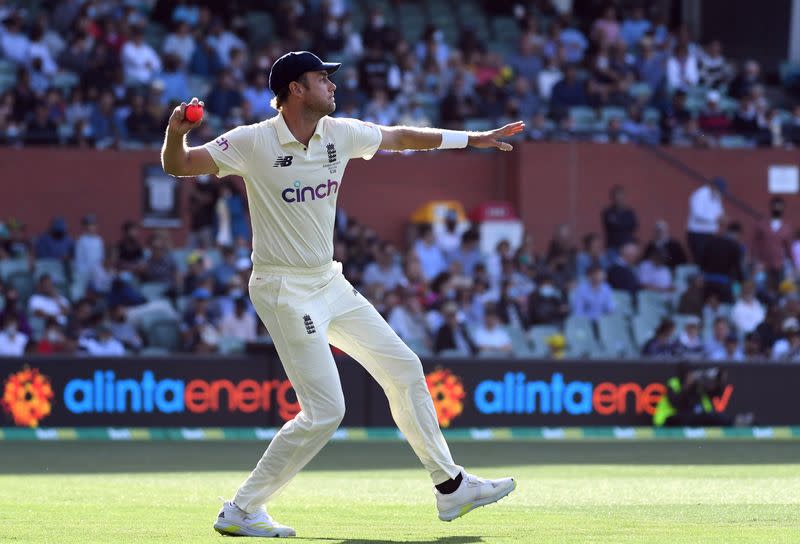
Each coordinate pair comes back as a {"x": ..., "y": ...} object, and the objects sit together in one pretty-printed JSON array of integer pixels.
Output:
[{"x": 328, "y": 420}]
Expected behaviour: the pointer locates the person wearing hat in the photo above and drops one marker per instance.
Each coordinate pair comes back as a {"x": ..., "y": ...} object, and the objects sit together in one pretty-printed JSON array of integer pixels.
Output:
[
  {"x": 788, "y": 347},
  {"x": 293, "y": 165},
  {"x": 56, "y": 243}
]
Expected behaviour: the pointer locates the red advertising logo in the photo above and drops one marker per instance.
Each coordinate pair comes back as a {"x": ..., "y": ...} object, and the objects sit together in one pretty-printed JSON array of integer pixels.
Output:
[
  {"x": 26, "y": 397},
  {"x": 447, "y": 392}
]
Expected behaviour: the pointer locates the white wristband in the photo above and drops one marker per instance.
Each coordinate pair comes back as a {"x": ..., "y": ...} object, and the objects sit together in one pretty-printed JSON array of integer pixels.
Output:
[{"x": 454, "y": 139}]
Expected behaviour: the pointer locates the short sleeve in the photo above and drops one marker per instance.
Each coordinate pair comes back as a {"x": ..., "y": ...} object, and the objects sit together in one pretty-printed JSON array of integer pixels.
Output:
[
  {"x": 365, "y": 138},
  {"x": 232, "y": 151}
]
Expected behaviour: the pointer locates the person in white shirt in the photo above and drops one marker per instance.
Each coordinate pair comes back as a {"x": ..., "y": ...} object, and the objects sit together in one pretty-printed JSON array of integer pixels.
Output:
[
  {"x": 788, "y": 347},
  {"x": 14, "y": 44},
  {"x": 431, "y": 257},
  {"x": 140, "y": 61},
  {"x": 705, "y": 212},
  {"x": 180, "y": 43},
  {"x": 408, "y": 320},
  {"x": 448, "y": 233},
  {"x": 12, "y": 341},
  {"x": 239, "y": 323},
  {"x": 89, "y": 250},
  {"x": 102, "y": 343},
  {"x": 385, "y": 270},
  {"x": 292, "y": 166},
  {"x": 748, "y": 312},
  {"x": 654, "y": 274},
  {"x": 682, "y": 72},
  {"x": 492, "y": 337},
  {"x": 48, "y": 302}
]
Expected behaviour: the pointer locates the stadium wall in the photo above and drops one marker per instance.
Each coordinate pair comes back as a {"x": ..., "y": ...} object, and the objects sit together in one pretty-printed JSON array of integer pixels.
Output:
[
  {"x": 253, "y": 391},
  {"x": 550, "y": 183}
]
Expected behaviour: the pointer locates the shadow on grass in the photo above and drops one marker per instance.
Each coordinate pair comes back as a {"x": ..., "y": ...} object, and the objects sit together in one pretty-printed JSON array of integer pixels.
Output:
[
  {"x": 440, "y": 540},
  {"x": 99, "y": 457}
]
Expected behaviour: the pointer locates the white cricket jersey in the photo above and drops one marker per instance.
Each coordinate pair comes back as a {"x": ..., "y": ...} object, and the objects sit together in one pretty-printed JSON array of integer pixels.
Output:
[{"x": 292, "y": 189}]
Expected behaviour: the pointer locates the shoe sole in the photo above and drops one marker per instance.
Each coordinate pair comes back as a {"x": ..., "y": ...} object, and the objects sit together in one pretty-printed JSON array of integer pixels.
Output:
[
  {"x": 236, "y": 530},
  {"x": 456, "y": 513}
]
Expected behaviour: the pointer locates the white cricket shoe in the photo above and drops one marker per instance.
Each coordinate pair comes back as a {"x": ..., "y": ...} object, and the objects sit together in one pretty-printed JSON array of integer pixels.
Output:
[
  {"x": 233, "y": 521},
  {"x": 472, "y": 493}
]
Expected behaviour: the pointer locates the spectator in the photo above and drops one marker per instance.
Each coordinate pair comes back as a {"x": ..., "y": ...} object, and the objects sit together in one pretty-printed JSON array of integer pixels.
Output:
[
  {"x": 730, "y": 350},
  {"x": 693, "y": 299},
  {"x": 448, "y": 233},
  {"x": 593, "y": 297},
  {"x": 205, "y": 61},
  {"x": 130, "y": 252},
  {"x": 102, "y": 343},
  {"x": 622, "y": 272},
  {"x": 14, "y": 44},
  {"x": 713, "y": 120},
  {"x": 373, "y": 71},
  {"x": 458, "y": 105},
  {"x": 141, "y": 126},
  {"x": 55, "y": 243},
  {"x": 571, "y": 40},
  {"x": 705, "y": 211},
  {"x": 452, "y": 335},
  {"x": 408, "y": 320},
  {"x": 225, "y": 270},
  {"x": 124, "y": 292},
  {"x": 674, "y": 119},
  {"x": 750, "y": 76},
  {"x": 224, "y": 42},
  {"x": 567, "y": 93},
  {"x": 468, "y": 254},
  {"x": 491, "y": 336},
  {"x": 752, "y": 350},
  {"x": 672, "y": 250},
  {"x": 431, "y": 258},
  {"x": 606, "y": 29},
  {"x": 495, "y": 261},
  {"x": 772, "y": 242},
  {"x": 654, "y": 274},
  {"x": 682, "y": 72},
  {"x": 123, "y": 330},
  {"x": 224, "y": 96},
  {"x": 508, "y": 308},
  {"x": 174, "y": 81},
  {"x": 547, "y": 78},
  {"x": 48, "y": 302},
  {"x": 651, "y": 67},
  {"x": 722, "y": 263},
  {"x": 712, "y": 66},
  {"x": 259, "y": 96},
  {"x": 690, "y": 343},
  {"x": 200, "y": 333},
  {"x": 89, "y": 249},
  {"x": 180, "y": 43},
  {"x": 662, "y": 345},
  {"x": 13, "y": 308},
  {"x": 592, "y": 255},
  {"x": 103, "y": 125},
  {"x": 715, "y": 345},
  {"x": 635, "y": 27},
  {"x": 380, "y": 110},
  {"x": 385, "y": 270},
  {"x": 748, "y": 312},
  {"x": 526, "y": 101},
  {"x": 202, "y": 203},
  {"x": 139, "y": 59},
  {"x": 40, "y": 130},
  {"x": 547, "y": 305},
  {"x": 160, "y": 266},
  {"x": 239, "y": 323},
  {"x": 12, "y": 341},
  {"x": 619, "y": 221},
  {"x": 231, "y": 215},
  {"x": 561, "y": 254},
  {"x": 791, "y": 128},
  {"x": 787, "y": 348},
  {"x": 53, "y": 340},
  {"x": 527, "y": 62}
]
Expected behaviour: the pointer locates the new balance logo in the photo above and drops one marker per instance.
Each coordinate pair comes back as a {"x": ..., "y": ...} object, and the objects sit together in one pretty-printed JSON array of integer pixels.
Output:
[
  {"x": 222, "y": 514},
  {"x": 310, "y": 329},
  {"x": 223, "y": 143},
  {"x": 283, "y": 161}
]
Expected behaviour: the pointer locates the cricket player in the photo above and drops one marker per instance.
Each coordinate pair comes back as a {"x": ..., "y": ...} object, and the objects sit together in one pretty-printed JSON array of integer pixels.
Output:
[{"x": 293, "y": 166}]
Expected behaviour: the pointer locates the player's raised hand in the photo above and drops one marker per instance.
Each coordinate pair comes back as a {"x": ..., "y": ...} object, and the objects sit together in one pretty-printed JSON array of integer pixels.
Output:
[
  {"x": 178, "y": 122},
  {"x": 491, "y": 138}
]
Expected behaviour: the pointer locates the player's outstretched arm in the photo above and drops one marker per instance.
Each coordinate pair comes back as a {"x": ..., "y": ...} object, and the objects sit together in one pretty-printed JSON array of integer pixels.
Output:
[
  {"x": 177, "y": 158},
  {"x": 402, "y": 138}
]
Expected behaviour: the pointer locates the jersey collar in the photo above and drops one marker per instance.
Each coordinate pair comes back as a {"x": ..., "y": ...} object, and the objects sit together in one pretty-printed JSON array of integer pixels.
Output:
[{"x": 285, "y": 135}]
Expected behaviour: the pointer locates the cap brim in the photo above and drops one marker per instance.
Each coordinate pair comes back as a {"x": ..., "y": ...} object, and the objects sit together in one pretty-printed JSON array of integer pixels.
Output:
[{"x": 330, "y": 67}]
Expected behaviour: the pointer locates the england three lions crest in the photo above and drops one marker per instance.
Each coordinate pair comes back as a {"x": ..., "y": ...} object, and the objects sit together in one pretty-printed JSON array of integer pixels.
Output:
[{"x": 333, "y": 161}]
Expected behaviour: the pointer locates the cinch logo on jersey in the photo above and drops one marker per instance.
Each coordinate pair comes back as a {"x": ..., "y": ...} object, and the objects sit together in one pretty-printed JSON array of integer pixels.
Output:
[
  {"x": 298, "y": 193},
  {"x": 105, "y": 393},
  {"x": 516, "y": 395}
]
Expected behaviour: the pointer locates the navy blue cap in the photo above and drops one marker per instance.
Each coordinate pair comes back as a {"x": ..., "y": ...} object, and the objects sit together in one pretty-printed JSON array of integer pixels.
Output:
[{"x": 293, "y": 65}]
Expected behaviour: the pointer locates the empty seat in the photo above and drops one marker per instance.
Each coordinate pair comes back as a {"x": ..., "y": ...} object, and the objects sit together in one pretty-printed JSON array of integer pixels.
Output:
[
  {"x": 163, "y": 333},
  {"x": 623, "y": 302},
  {"x": 538, "y": 335},
  {"x": 581, "y": 340},
  {"x": 615, "y": 336}
]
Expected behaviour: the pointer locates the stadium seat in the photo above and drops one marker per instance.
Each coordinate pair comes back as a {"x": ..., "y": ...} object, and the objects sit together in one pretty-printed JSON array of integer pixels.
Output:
[
  {"x": 581, "y": 341},
  {"x": 682, "y": 273},
  {"x": 611, "y": 112},
  {"x": 153, "y": 290},
  {"x": 11, "y": 266},
  {"x": 651, "y": 115},
  {"x": 735, "y": 141},
  {"x": 23, "y": 282},
  {"x": 615, "y": 336},
  {"x": 154, "y": 352},
  {"x": 419, "y": 348},
  {"x": 66, "y": 81},
  {"x": 163, "y": 333},
  {"x": 477, "y": 124},
  {"x": 538, "y": 335},
  {"x": 38, "y": 326},
  {"x": 640, "y": 90},
  {"x": 644, "y": 326},
  {"x": 623, "y": 302},
  {"x": 583, "y": 118},
  {"x": 519, "y": 342},
  {"x": 652, "y": 302},
  {"x": 452, "y": 354},
  {"x": 52, "y": 267},
  {"x": 228, "y": 345}
]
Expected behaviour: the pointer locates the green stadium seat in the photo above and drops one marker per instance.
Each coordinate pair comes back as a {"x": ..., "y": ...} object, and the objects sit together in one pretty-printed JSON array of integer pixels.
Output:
[
  {"x": 581, "y": 341},
  {"x": 640, "y": 90},
  {"x": 651, "y": 115},
  {"x": 644, "y": 326},
  {"x": 611, "y": 112},
  {"x": 520, "y": 343},
  {"x": 452, "y": 354},
  {"x": 51, "y": 267},
  {"x": 66, "y": 81},
  {"x": 23, "y": 282},
  {"x": 164, "y": 333},
  {"x": 735, "y": 141},
  {"x": 623, "y": 303},
  {"x": 228, "y": 345},
  {"x": 419, "y": 348},
  {"x": 10, "y": 266},
  {"x": 652, "y": 302},
  {"x": 583, "y": 118},
  {"x": 615, "y": 336},
  {"x": 153, "y": 290}
]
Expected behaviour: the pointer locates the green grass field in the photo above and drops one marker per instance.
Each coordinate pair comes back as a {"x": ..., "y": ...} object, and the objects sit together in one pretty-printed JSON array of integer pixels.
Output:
[{"x": 603, "y": 492}]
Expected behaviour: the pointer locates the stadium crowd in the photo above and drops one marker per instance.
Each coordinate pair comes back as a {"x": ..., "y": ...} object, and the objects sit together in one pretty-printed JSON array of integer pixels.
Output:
[
  {"x": 107, "y": 73},
  {"x": 618, "y": 293}
]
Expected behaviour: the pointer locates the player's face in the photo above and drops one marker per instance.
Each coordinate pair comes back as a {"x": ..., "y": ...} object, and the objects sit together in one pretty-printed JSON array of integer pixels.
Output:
[{"x": 319, "y": 95}]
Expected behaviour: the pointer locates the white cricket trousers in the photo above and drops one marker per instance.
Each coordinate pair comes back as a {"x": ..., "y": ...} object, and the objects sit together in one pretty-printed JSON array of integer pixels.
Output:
[{"x": 305, "y": 310}]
